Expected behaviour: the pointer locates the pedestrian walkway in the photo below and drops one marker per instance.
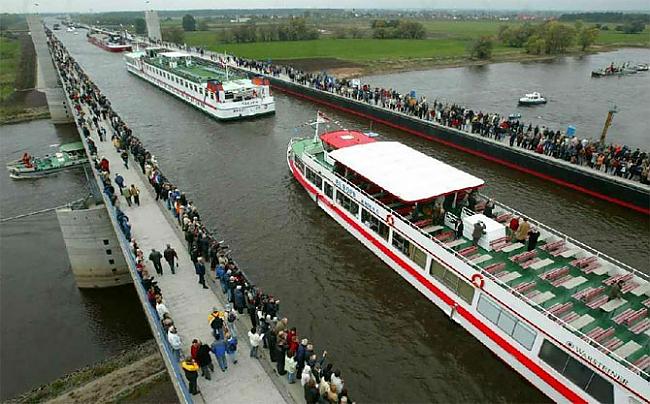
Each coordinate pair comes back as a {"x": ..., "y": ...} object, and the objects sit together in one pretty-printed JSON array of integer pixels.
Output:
[{"x": 189, "y": 304}]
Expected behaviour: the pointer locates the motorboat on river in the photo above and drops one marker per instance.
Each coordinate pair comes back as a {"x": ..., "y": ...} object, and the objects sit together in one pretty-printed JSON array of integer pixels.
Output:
[
  {"x": 534, "y": 98},
  {"x": 547, "y": 309},
  {"x": 68, "y": 156}
]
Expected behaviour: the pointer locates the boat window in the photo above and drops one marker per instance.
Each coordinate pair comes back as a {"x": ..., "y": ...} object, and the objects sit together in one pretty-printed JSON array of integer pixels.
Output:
[
  {"x": 229, "y": 96},
  {"x": 375, "y": 224},
  {"x": 401, "y": 243},
  {"x": 314, "y": 178},
  {"x": 507, "y": 322},
  {"x": 585, "y": 378},
  {"x": 347, "y": 203},
  {"x": 329, "y": 191},
  {"x": 297, "y": 161},
  {"x": 464, "y": 290},
  {"x": 200, "y": 90},
  {"x": 212, "y": 96}
]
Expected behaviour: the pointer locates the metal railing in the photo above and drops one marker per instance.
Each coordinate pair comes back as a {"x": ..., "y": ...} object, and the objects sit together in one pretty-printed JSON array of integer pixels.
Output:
[{"x": 492, "y": 277}]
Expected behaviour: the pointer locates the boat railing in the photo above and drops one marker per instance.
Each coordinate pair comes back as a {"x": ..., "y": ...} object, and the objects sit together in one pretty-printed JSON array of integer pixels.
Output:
[
  {"x": 575, "y": 242},
  {"x": 492, "y": 277}
]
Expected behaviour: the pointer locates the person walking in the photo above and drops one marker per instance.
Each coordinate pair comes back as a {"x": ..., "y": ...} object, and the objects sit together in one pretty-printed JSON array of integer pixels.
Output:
[
  {"x": 125, "y": 158},
  {"x": 219, "y": 349},
  {"x": 231, "y": 347},
  {"x": 119, "y": 180},
  {"x": 175, "y": 342},
  {"x": 135, "y": 193},
  {"x": 170, "y": 256},
  {"x": 156, "y": 257},
  {"x": 191, "y": 370},
  {"x": 199, "y": 267},
  {"x": 203, "y": 359},
  {"x": 254, "y": 337},
  {"x": 127, "y": 195}
]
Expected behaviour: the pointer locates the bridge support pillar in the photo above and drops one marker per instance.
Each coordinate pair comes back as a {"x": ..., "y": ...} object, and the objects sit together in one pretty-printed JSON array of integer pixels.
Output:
[{"x": 94, "y": 251}]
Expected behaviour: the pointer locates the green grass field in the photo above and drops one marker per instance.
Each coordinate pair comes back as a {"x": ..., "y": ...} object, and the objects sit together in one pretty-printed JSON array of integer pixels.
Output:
[
  {"x": 9, "y": 60},
  {"x": 356, "y": 50},
  {"x": 445, "y": 40}
]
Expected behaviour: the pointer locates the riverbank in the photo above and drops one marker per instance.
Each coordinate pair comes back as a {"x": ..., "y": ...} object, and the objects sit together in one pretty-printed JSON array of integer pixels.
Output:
[
  {"x": 113, "y": 379},
  {"x": 350, "y": 69},
  {"x": 20, "y": 100}
]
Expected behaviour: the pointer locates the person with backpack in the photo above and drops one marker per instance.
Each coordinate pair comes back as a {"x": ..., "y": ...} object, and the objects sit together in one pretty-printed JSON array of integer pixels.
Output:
[
  {"x": 216, "y": 323},
  {"x": 231, "y": 347}
]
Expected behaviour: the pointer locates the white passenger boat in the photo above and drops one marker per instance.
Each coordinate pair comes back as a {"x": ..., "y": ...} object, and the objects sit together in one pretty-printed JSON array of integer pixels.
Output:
[
  {"x": 534, "y": 98},
  {"x": 546, "y": 311},
  {"x": 203, "y": 83}
]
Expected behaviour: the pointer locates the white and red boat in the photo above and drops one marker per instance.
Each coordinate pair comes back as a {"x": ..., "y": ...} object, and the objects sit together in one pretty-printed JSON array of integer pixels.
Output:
[
  {"x": 550, "y": 312},
  {"x": 111, "y": 42}
]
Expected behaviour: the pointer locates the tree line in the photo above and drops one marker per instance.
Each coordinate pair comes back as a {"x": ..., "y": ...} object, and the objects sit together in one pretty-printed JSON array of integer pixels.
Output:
[
  {"x": 606, "y": 17},
  {"x": 549, "y": 38},
  {"x": 397, "y": 29}
]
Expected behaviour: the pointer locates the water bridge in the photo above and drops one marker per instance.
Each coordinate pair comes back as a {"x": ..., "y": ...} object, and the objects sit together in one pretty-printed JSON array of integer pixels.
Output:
[{"x": 153, "y": 226}]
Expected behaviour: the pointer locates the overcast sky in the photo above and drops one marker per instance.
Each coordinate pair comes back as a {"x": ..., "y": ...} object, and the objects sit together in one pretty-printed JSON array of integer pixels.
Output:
[{"x": 22, "y": 6}]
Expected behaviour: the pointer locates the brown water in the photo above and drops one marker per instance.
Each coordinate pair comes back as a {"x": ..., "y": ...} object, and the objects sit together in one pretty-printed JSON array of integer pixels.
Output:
[
  {"x": 391, "y": 343},
  {"x": 49, "y": 327}
]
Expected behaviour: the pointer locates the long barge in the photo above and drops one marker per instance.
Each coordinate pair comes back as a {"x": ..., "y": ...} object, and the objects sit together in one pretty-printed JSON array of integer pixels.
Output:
[
  {"x": 548, "y": 311},
  {"x": 202, "y": 83}
]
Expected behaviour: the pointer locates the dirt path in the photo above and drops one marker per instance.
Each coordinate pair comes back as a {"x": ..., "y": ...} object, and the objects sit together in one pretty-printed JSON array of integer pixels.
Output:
[{"x": 117, "y": 383}]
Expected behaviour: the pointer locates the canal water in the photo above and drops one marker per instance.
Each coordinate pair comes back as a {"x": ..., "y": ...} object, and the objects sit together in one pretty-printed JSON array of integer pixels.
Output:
[
  {"x": 574, "y": 97},
  {"x": 391, "y": 344},
  {"x": 49, "y": 327}
]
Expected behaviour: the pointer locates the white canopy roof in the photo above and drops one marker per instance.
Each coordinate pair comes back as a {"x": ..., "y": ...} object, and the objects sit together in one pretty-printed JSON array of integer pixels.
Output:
[
  {"x": 174, "y": 54},
  {"x": 404, "y": 172}
]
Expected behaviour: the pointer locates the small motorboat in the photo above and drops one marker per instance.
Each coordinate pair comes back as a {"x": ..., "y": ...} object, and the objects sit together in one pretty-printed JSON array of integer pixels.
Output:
[
  {"x": 514, "y": 117},
  {"x": 532, "y": 99},
  {"x": 69, "y": 155},
  {"x": 642, "y": 67}
]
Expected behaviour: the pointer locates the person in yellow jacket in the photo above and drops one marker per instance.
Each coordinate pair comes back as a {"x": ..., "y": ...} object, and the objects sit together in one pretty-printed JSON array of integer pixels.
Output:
[
  {"x": 191, "y": 370},
  {"x": 522, "y": 231}
]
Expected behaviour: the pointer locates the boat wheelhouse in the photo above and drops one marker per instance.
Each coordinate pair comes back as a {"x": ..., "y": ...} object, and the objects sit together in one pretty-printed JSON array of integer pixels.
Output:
[
  {"x": 546, "y": 311},
  {"x": 203, "y": 83},
  {"x": 68, "y": 156}
]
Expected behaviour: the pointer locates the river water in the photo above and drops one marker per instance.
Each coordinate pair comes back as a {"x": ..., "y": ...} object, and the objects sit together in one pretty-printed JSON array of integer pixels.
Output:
[
  {"x": 48, "y": 326},
  {"x": 574, "y": 97},
  {"x": 376, "y": 328}
]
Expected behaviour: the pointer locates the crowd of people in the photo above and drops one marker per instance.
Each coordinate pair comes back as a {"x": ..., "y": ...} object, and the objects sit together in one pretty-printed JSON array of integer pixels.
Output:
[
  {"x": 295, "y": 357},
  {"x": 615, "y": 159}
]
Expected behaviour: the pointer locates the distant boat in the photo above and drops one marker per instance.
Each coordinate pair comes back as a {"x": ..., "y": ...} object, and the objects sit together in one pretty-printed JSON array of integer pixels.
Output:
[
  {"x": 534, "y": 98},
  {"x": 514, "y": 116},
  {"x": 642, "y": 67},
  {"x": 69, "y": 155}
]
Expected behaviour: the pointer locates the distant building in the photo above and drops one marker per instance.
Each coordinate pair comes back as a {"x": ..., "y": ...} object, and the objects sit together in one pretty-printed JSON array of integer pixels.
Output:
[{"x": 241, "y": 19}]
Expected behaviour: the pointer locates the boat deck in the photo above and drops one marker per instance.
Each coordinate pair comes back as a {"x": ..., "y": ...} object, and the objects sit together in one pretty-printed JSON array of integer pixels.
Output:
[
  {"x": 571, "y": 285},
  {"x": 200, "y": 71}
]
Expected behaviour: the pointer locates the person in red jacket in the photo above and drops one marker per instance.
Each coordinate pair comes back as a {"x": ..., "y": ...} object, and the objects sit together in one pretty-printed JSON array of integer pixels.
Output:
[{"x": 104, "y": 165}]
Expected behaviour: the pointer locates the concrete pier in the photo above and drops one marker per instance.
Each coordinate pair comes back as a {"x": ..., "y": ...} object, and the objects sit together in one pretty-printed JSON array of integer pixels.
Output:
[{"x": 92, "y": 246}]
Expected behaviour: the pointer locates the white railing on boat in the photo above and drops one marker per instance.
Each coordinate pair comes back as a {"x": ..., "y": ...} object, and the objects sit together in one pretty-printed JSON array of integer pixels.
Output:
[{"x": 505, "y": 286}]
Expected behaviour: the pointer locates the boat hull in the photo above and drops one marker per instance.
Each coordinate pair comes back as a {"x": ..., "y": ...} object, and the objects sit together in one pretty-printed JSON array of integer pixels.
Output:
[
  {"x": 525, "y": 103},
  {"x": 108, "y": 47}
]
